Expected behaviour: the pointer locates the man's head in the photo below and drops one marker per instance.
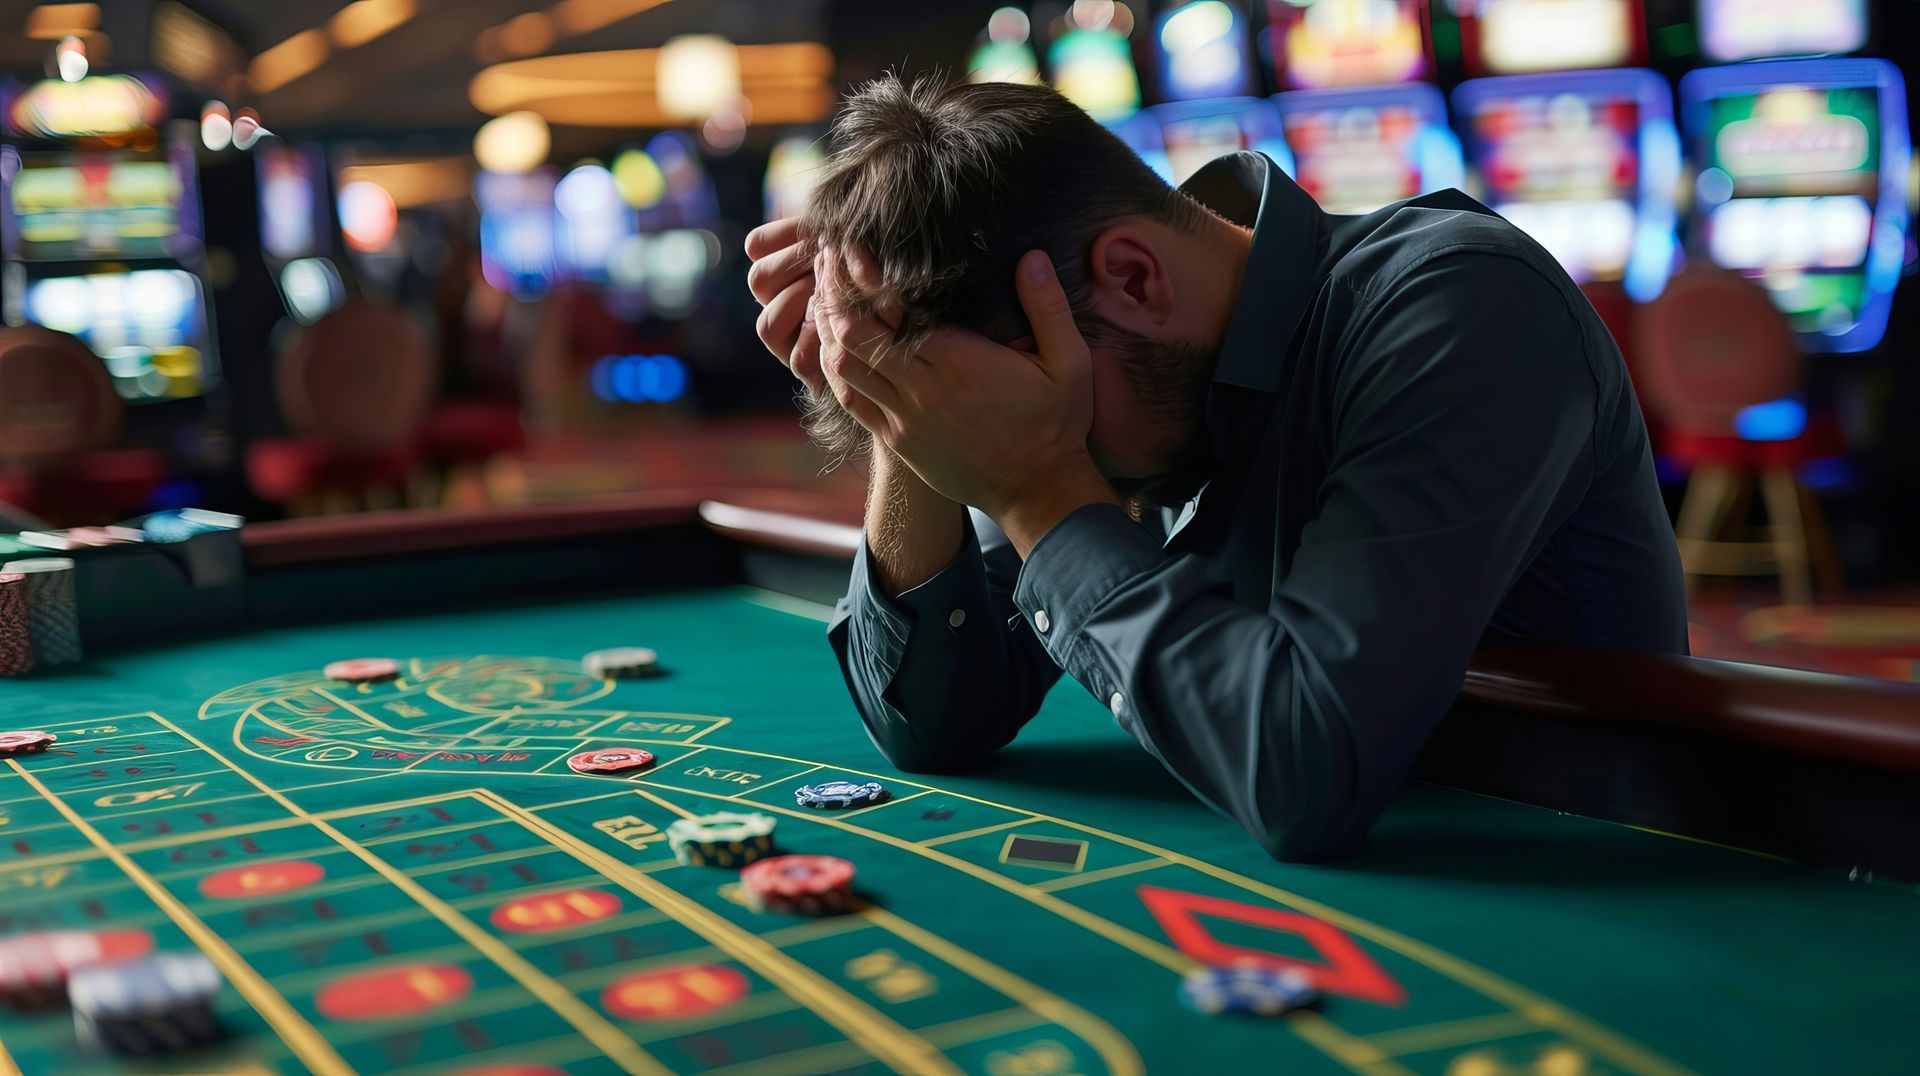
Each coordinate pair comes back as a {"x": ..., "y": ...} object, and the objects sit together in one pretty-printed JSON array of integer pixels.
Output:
[{"x": 948, "y": 184}]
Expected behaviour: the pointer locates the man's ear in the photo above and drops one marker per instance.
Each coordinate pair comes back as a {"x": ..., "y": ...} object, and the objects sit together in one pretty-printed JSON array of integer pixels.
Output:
[{"x": 1129, "y": 278}]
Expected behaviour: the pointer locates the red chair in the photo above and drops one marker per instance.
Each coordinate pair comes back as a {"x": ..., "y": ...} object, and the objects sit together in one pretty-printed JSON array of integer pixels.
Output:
[
  {"x": 461, "y": 437},
  {"x": 355, "y": 387},
  {"x": 1711, "y": 347},
  {"x": 59, "y": 421}
]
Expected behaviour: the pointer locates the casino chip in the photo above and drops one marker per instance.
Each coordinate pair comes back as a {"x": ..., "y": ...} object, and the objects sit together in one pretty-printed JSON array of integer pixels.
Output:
[
  {"x": 725, "y": 839},
  {"x": 622, "y": 663},
  {"x": 1246, "y": 987},
  {"x": 799, "y": 885},
  {"x": 35, "y": 967},
  {"x": 833, "y": 795},
  {"x": 151, "y": 1005},
  {"x": 25, "y": 743},
  {"x": 16, "y": 630},
  {"x": 611, "y": 760},
  {"x": 363, "y": 670}
]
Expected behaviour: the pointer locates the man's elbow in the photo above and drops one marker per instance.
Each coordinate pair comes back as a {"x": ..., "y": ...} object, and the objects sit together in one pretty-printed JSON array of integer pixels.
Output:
[
  {"x": 1291, "y": 844},
  {"x": 1311, "y": 832}
]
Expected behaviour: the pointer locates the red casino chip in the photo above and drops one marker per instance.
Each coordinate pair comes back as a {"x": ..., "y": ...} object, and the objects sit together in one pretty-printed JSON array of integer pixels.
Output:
[
  {"x": 25, "y": 743},
  {"x": 797, "y": 876},
  {"x": 611, "y": 760},
  {"x": 363, "y": 670},
  {"x": 34, "y": 966}
]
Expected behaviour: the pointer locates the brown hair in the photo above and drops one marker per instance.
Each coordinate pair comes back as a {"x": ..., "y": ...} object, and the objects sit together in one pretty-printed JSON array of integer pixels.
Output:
[{"x": 949, "y": 183}]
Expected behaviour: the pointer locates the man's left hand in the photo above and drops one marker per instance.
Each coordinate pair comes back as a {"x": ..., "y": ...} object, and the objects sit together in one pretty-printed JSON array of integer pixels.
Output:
[{"x": 991, "y": 426}]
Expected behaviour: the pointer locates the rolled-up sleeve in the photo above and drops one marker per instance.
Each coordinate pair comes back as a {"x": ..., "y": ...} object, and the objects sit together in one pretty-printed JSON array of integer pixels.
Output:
[
  {"x": 946, "y": 673},
  {"x": 1463, "y": 417}
]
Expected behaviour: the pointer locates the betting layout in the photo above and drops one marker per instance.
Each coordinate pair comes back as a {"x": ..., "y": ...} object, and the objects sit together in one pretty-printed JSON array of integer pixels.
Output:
[{"x": 408, "y": 872}]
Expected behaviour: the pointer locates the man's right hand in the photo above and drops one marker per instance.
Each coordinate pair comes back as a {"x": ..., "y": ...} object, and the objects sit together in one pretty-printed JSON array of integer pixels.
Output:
[{"x": 782, "y": 280}]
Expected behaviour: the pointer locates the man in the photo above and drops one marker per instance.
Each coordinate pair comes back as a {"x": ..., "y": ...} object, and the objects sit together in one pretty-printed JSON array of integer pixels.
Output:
[{"x": 1258, "y": 477}]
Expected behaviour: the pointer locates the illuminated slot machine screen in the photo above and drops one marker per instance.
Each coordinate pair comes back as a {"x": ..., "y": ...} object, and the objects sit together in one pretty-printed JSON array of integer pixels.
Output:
[
  {"x": 79, "y": 206},
  {"x": 296, "y": 230},
  {"x": 1179, "y": 138},
  {"x": 1358, "y": 150},
  {"x": 1094, "y": 69},
  {"x": 149, "y": 326},
  {"x": 1732, "y": 30},
  {"x": 1510, "y": 37},
  {"x": 1318, "y": 44},
  {"x": 1202, "y": 52},
  {"x": 1802, "y": 185},
  {"x": 792, "y": 170},
  {"x": 1585, "y": 163},
  {"x": 517, "y": 231}
]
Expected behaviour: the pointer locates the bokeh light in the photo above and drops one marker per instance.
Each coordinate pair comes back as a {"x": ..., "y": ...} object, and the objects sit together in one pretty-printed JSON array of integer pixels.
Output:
[
  {"x": 639, "y": 179},
  {"x": 638, "y": 378},
  {"x": 70, "y": 59},
  {"x": 368, "y": 216},
  {"x": 514, "y": 143},
  {"x": 312, "y": 287},
  {"x": 216, "y": 126},
  {"x": 698, "y": 75}
]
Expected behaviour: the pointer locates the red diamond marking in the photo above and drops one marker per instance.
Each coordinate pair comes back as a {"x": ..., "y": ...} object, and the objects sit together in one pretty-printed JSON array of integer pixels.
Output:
[{"x": 1347, "y": 969}]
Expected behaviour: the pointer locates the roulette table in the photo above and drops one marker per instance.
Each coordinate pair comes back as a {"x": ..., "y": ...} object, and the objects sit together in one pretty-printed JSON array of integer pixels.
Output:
[{"x": 1609, "y": 865}]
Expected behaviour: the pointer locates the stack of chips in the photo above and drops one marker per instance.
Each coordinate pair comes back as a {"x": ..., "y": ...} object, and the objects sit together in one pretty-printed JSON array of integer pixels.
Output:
[
  {"x": 839, "y": 795},
  {"x": 1247, "y": 987},
  {"x": 725, "y": 839},
  {"x": 156, "y": 1004},
  {"x": 799, "y": 885},
  {"x": 35, "y": 968},
  {"x": 53, "y": 617},
  {"x": 16, "y": 632},
  {"x": 622, "y": 663}
]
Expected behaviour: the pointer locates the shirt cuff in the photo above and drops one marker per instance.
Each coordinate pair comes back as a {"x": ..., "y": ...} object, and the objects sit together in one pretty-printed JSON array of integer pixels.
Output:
[
  {"x": 1074, "y": 567},
  {"x": 882, "y": 624}
]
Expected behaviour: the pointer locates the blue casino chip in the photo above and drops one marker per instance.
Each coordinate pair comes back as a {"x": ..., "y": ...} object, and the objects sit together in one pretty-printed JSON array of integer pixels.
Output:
[
  {"x": 1249, "y": 988},
  {"x": 838, "y": 794}
]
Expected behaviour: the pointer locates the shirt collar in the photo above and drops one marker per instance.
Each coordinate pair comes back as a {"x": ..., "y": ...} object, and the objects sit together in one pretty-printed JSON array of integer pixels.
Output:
[{"x": 1278, "y": 282}]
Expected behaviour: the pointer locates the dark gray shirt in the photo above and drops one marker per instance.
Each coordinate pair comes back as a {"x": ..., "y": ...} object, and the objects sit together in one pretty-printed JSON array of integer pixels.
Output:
[{"x": 1423, "y": 436}]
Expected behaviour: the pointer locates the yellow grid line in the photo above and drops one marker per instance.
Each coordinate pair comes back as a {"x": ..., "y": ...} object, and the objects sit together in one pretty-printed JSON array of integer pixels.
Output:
[
  {"x": 618, "y": 1048},
  {"x": 300, "y": 1037}
]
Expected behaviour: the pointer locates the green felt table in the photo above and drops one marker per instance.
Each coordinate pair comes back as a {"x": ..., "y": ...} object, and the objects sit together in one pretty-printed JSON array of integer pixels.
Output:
[{"x": 407, "y": 877}]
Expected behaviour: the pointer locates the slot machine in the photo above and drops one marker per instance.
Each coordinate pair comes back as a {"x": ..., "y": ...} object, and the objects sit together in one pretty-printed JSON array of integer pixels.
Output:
[
  {"x": 1365, "y": 126},
  {"x": 1802, "y": 185}
]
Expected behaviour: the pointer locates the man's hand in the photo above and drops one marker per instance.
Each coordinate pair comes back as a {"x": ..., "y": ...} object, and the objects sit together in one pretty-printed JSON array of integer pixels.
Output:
[
  {"x": 986, "y": 425},
  {"x": 782, "y": 280}
]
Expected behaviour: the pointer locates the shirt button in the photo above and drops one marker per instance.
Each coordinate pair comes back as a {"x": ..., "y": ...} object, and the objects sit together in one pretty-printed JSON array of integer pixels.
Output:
[
  {"x": 1040, "y": 622},
  {"x": 1117, "y": 704},
  {"x": 956, "y": 618}
]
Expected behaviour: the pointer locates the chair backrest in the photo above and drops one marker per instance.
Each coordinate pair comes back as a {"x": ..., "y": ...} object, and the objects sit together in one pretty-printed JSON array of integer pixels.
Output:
[
  {"x": 1712, "y": 345},
  {"x": 56, "y": 399},
  {"x": 361, "y": 378}
]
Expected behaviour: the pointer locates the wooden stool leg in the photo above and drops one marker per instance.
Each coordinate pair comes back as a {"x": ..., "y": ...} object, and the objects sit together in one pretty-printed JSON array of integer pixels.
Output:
[
  {"x": 1827, "y": 574},
  {"x": 1702, "y": 511},
  {"x": 1781, "y": 490}
]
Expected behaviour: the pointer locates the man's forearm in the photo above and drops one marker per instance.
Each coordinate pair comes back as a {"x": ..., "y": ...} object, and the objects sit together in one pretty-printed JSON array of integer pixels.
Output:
[{"x": 912, "y": 531}]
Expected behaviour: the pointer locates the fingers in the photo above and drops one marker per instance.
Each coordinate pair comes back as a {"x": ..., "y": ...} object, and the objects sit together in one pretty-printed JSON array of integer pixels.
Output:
[
  {"x": 772, "y": 274},
  {"x": 805, "y": 358},
  {"x": 1056, "y": 338},
  {"x": 864, "y": 270},
  {"x": 779, "y": 323},
  {"x": 849, "y": 369},
  {"x": 772, "y": 236},
  {"x": 865, "y": 336}
]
